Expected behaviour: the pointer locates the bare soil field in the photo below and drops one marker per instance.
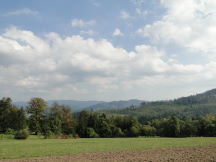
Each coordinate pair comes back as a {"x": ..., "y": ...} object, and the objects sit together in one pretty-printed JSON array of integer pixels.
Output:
[{"x": 180, "y": 154}]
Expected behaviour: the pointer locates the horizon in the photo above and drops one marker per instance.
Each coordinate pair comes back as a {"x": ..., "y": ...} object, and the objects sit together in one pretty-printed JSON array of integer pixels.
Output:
[
  {"x": 107, "y": 50},
  {"x": 171, "y": 99}
]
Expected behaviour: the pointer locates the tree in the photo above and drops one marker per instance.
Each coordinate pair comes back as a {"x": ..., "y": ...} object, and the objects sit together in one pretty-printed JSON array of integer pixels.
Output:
[
  {"x": 58, "y": 120},
  {"x": 5, "y": 107},
  {"x": 90, "y": 133},
  {"x": 206, "y": 126},
  {"x": 19, "y": 119},
  {"x": 46, "y": 128},
  {"x": 188, "y": 128},
  {"x": 104, "y": 128},
  {"x": 82, "y": 121},
  {"x": 36, "y": 109},
  {"x": 55, "y": 118},
  {"x": 148, "y": 130},
  {"x": 116, "y": 132},
  {"x": 68, "y": 123},
  {"x": 172, "y": 128},
  {"x": 11, "y": 117}
]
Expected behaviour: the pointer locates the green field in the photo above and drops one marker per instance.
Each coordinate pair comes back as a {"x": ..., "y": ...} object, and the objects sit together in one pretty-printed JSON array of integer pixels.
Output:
[{"x": 38, "y": 147}]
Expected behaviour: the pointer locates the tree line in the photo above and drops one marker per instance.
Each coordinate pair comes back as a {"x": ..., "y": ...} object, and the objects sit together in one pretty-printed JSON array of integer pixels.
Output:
[{"x": 57, "y": 120}]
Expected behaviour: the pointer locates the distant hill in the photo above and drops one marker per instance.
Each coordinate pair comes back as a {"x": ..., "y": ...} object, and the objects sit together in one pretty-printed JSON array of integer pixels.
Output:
[
  {"x": 208, "y": 97},
  {"x": 191, "y": 106},
  {"x": 74, "y": 104},
  {"x": 115, "y": 104},
  {"x": 89, "y": 105}
]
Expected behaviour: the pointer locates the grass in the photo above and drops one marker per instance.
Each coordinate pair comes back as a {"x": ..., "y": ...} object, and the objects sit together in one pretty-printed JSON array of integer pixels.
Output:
[{"x": 38, "y": 147}]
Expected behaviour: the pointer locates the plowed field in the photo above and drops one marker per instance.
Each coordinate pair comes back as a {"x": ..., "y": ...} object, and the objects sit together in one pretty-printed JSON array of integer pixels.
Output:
[{"x": 179, "y": 154}]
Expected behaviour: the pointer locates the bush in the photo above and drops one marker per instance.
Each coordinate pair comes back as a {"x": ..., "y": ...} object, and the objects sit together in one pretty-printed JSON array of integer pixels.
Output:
[
  {"x": 6, "y": 136},
  {"x": 91, "y": 133},
  {"x": 10, "y": 131},
  {"x": 117, "y": 132},
  {"x": 48, "y": 134},
  {"x": 21, "y": 134},
  {"x": 148, "y": 130},
  {"x": 9, "y": 134},
  {"x": 133, "y": 132}
]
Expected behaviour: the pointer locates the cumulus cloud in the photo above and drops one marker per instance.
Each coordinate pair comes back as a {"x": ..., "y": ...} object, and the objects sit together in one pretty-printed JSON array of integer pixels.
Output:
[
  {"x": 69, "y": 67},
  {"x": 117, "y": 32},
  {"x": 95, "y": 3},
  {"x": 24, "y": 11},
  {"x": 81, "y": 23},
  {"x": 142, "y": 12},
  {"x": 188, "y": 24},
  {"x": 87, "y": 32},
  {"x": 138, "y": 2},
  {"x": 125, "y": 15}
]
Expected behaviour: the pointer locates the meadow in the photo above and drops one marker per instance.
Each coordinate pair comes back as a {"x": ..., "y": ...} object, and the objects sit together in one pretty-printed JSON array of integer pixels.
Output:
[{"x": 36, "y": 146}]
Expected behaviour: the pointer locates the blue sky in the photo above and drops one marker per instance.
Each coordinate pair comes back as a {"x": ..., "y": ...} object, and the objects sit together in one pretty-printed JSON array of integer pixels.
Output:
[
  {"x": 56, "y": 16},
  {"x": 106, "y": 50}
]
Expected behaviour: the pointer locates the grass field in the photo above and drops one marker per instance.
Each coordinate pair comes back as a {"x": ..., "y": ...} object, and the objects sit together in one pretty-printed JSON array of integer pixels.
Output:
[{"x": 38, "y": 147}]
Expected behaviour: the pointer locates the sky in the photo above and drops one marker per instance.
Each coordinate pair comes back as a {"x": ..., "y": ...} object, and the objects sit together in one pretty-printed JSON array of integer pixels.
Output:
[{"x": 107, "y": 49}]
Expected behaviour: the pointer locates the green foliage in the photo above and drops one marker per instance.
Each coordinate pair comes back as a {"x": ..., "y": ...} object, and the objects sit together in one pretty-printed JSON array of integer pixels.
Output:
[
  {"x": 68, "y": 123},
  {"x": 104, "y": 126},
  {"x": 90, "y": 132},
  {"x": 175, "y": 127},
  {"x": 11, "y": 117},
  {"x": 57, "y": 121},
  {"x": 172, "y": 128},
  {"x": 48, "y": 134},
  {"x": 46, "y": 129},
  {"x": 133, "y": 132},
  {"x": 9, "y": 134},
  {"x": 117, "y": 132},
  {"x": 5, "y": 111},
  {"x": 6, "y": 136},
  {"x": 10, "y": 131},
  {"x": 206, "y": 126},
  {"x": 189, "y": 128},
  {"x": 36, "y": 109},
  {"x": 21, "y": 134},
  {"x": 107, "y": 126},
  {"x": 20, "y": 120},
  {"x": 148, "y": 130},
  {"x": 119, "y": 126}
]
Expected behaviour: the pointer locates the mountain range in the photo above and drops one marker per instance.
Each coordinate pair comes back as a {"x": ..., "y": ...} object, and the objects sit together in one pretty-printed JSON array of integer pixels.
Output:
[
  {"x": 88, "y": 105},
  {"x": 190, "y": 106}
]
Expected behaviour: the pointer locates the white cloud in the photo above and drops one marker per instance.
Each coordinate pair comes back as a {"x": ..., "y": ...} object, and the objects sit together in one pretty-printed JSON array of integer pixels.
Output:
[
  {"x": 81, "y": 23},
  {"x": 74, "y": 67},
  {"x": 142, "y": 12},
  {"x": 95, "y": 3},
  {"x": 125, "y": 15},
  {"x": 25, "y": 11},
  {"x": 138, "y": 2},
  {"x": 117, "y": 32},
  {"x": 188, "y": 24},
  {"x": 87, "y": 32}
]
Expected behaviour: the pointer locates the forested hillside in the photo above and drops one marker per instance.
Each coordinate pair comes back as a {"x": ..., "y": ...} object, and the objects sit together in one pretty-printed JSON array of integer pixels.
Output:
[
  {"x": 115, "y": 105},
  {"x": 185, "y": 107}
]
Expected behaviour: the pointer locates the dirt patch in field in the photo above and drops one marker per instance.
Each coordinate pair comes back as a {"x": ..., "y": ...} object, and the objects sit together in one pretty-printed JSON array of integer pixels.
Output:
[{"x": 181, "y": 154}]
